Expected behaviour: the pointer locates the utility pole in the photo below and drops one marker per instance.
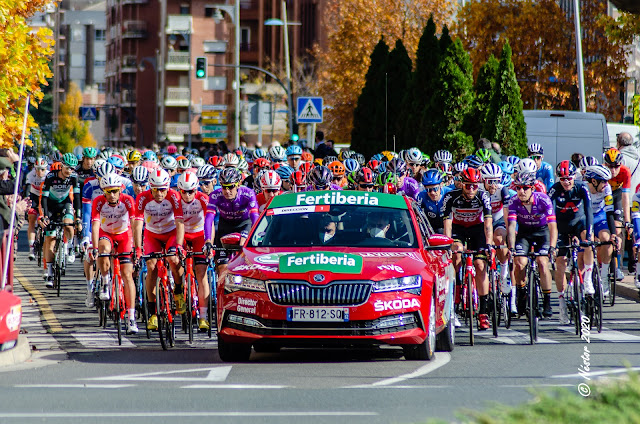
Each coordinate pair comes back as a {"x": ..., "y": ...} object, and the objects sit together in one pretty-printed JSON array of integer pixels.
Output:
[{"x": 56, "y": 67}]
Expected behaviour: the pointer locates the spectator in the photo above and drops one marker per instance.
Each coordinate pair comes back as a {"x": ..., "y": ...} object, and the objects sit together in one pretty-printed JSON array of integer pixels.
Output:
[
  {"x": 576, "y": 158},
  {"x": 483, "y": 143},
  {"x": 630, "y": 157}
]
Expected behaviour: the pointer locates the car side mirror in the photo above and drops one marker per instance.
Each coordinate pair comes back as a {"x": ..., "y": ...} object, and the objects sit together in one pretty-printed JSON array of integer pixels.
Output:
[
  {"x": 439, "y": 242},
  {"x": 231, "y": 242}
]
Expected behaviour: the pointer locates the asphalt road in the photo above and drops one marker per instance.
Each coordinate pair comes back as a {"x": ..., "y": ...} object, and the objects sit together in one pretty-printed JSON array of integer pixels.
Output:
[{"x": 78, "y": 373}]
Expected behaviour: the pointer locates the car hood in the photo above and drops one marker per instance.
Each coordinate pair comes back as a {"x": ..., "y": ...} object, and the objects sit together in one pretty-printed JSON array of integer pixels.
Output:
[{"x": 319, "y": 266}]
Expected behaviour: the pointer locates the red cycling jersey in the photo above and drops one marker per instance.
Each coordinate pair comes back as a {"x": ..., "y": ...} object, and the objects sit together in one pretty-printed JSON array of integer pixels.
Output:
[
  {"x": 160, "y": 218},
  {"x": 113, "y": 219}
]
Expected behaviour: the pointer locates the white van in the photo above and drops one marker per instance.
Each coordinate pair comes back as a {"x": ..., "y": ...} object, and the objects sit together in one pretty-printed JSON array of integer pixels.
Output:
[
  {"x": 616, "y": 128},
  {"x": 562, "y": 133}
]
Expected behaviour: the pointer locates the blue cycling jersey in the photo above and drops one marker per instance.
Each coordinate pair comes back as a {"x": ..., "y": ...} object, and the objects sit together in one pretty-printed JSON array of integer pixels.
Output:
[
  {"x": 432, "y": 209},
  {"x": 545, "y": 174}
]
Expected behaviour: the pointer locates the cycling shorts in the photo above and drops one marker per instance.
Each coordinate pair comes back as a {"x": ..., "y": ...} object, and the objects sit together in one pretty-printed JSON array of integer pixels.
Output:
[
  {"x": 600, "y": 223},
  {"x": 499, "y": 224},
  {"x": 155, "y": 243},
  {"x": 527, "y": 237},
  {"x": 474, "y": 236},
  {"x": 196, "y": 241},
  {"x": 57, "y": 213},
  {"x": 566, "y": 232},
  {"x": 225, "y": 228},
  {"x": 120, "y": 243},
  {"x": 617, "y": 205}
]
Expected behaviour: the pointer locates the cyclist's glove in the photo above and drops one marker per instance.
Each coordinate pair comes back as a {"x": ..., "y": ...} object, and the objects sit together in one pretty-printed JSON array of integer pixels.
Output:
[
  {"x": 208, "y": 248},
  {"x": 244, "y": 234},
  {"x": 180, "y": 251}
]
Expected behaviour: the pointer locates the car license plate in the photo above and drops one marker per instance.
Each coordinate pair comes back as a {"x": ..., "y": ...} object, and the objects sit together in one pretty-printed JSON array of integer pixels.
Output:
[{"x": 318, "y": 314}]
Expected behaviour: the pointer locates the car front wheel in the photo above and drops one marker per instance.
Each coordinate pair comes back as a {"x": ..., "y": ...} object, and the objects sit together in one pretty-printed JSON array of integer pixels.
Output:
[{"x": 425, "y": 350}]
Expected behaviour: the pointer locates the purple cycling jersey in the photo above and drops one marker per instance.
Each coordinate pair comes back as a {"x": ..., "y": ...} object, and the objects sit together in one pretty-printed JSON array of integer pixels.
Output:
[
  {"x": 541, "y": 214},
  {"x": 410, "y": 187},
  {"x": 243, "y": 207}
]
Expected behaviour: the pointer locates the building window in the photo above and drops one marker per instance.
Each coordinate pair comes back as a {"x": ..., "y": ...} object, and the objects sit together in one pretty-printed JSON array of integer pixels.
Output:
[
  {"x": 254, "y": 116},
  {"x": 101, "y": 35},
  {"x": 101, "y": 63},
  {"x": 185, "y": 9},
  {"x": 215, "y": 46},
  {"x": 215, "y": 83},
  {"x": 102, "y": 87},
  {"x": 209, "y": 11}
]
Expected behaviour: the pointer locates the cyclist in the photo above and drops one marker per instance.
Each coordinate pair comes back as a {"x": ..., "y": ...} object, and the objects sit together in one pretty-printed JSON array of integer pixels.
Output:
[
  {"x": 405, "y": 185},
  {"x": 140, "y": 179},
  {"x": 574, "y": 217},
  {"x": 620, "y": 188},
  {"x": 414, "y": 161},
  {"x": 194, "y": 209},
  {"x": 34, "y": 181},
  {"x": 635, "y": 217},
  {"x": 544, "y": 170},
  {"x": 160, "y": 209},
  {"x": 442, "y": 156},
  {"x": 604, "y": 218},
  {"x": 294, "y": 155},
  {"x": 85, "y": 168},
  {"x": 532, "y": 212},
  {"x": 207, "y": 179},
  {"x": 259, "y": 165},
  {"x": 60, "y": 198},
  {"x": 499, "y": 197},
  {"x": 364, "y": 180},
  {"x": 238, "y": 211},
  {"x": 133, "y": 159},
  {"x": 270, "y": 183},
  {"x": 467, "y": 218},
  {"x": 338, "y": 174},
  {"x": 112, "y": 217},
  {"x": 319, "y": 178},
  {"x": 431, "y": 199}
]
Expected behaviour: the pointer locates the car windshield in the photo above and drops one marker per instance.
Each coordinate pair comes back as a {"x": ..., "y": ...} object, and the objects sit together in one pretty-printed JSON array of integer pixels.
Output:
[{"x": 343, "y": 225}]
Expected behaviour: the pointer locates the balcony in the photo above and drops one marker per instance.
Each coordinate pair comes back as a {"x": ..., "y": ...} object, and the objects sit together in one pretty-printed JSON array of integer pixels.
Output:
[
  {"x": 179, "y": 24},
  {"x": 177, "y": 61},
  {"x": 128, "y": 98},
  {"x": 176, "y": 131},
  {"x": 128, "y": 131},
  {"x": 177, "y": 96},
  {"x": 134, "y": 1},
  {"x": 114, "y": 32},
  {"x": 134, "y": 29},
  {"x": 129, "y": 63}
]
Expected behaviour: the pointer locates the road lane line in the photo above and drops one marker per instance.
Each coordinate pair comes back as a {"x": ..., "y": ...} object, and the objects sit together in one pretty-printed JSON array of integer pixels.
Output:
[
  {"x": 512, "y": 337},
  {"x": 43, "y": 304},
  {"x": 608, "y": 335},
  {"x": 441, "y": 359},
  {"x": 104, "y": 340},
  {"x": 184, "y": 414},
  {"x": 233, "y": 386},
  {"x": 73, "y": 386},
  {"x": 597, "y": 373},
  {"x": 213, "y": 374}
]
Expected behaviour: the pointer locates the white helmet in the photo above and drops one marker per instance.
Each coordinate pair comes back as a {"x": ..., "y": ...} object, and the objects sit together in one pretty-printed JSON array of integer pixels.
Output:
[
  {"x": 243, "y": 165},
  {"x": 443, "y": 156},
  {"x": 278, "y": 154},
  {"x": 41, "y": 163},
  {"x": 169, "y": 163},
  {"x": 159, "y": 178},
  {"x": 270, "y": 180},
  {"x": 230, "y": 160},
  {"x": 491, "y": 171},
  {"x": 197, "y": 162},
  {"x": 413, "y": 156},
  {"x": 526, "y": 165},
  {"x": 140, "y": 175},
  {"x": 97, "y": 164},
  {"x": 104, "y": 169},
  {"x": 187, "y": 181},
  {"x": 205, "y": 172},
  {"x": 110, "y": 180}
]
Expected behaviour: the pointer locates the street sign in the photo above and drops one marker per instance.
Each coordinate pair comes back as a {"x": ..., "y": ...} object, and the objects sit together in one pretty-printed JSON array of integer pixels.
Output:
[
  {"x": 309, "y": 110},
  {"x": 88, "y": 113}
]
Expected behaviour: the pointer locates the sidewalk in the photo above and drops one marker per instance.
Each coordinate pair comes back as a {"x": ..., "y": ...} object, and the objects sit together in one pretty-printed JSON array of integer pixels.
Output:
[{"x": 627, "y": 288}]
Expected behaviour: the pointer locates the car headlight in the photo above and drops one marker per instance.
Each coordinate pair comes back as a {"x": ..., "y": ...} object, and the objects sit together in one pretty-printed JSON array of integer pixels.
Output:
[
  {"x": 238, "y": 282},
  {"x": 396, "y": 284}
]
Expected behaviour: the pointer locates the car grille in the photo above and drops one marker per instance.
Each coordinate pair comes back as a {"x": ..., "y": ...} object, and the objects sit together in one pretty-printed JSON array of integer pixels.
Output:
[{"x": 338, "y": 293}]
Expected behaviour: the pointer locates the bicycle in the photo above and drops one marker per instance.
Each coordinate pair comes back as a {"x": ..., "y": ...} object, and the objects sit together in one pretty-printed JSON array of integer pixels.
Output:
[
  {"x": 190, "y": 293},
  {"x": 59, "y": 255},
  {"x": 165, "y": 306},
  {"x": 212, "y": 278},
  {"x": 613, "y": 266},
  {"x": 38, "y": 244},
  {"x": 117, "y": 304},
  {"x": 469, "y": 295},
  {"x": 500, "y": 302},
  {"x": 100, "y": 305},
  {"x": 533, "y": 290},
  {"x": 140, "y": 272}
]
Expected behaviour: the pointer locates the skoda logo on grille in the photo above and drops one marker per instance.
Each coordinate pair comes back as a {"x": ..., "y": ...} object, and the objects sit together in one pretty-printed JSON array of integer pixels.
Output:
[{"x": 318, "y": 278}]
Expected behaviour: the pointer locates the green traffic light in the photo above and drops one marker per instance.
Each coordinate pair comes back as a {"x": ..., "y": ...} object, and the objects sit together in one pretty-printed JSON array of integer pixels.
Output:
[
  {"x": 295, "y": 137},
  {"x": 200, "y": 73}
]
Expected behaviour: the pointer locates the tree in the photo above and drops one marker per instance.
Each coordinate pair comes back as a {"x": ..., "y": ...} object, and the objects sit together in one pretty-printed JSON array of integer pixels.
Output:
[
  {"x": 367, "y": 135},
  {"x": 24, "y": 55},
  {"x": 420, "y": 88},
  {"x": 398, "y": 75},
  {"x": 445, "y": 40},
  {"x": 483, "y": 90},
  {"x": 71, "y": 129},
  {"x": 451, "y": 103},
  {"x": 353, "y": 29},
  {"x": 505, "y": 120}
]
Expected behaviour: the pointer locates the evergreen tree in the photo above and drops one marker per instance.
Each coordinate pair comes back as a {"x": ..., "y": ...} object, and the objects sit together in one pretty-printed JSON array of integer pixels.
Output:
[
  {"x": 398, "y": 75},
  {"x": 483, "y": 90},
  {"x": 445, "y": 40},
  {"x": 367, "y": 136},
  {"x": 420, "y": 88},
  {"x": 505, "y": 120},
  {"x": 451, "y": 103}
]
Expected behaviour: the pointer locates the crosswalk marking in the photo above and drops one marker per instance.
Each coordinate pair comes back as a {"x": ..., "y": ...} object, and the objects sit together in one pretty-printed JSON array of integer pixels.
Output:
[
  {"x": 608, "y": 335},
  {"x": 102, "y": 340},
  {"x": 509, "y": 336}
]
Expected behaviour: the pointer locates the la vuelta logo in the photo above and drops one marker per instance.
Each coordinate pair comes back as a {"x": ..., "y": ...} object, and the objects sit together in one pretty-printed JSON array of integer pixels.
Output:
[{"x": 394, "y": 305}]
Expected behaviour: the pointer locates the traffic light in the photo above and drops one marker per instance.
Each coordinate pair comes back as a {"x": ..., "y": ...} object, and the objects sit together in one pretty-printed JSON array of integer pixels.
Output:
[
  {"x": 201, "y": 67},
  {"x": 295, "y": 137}
]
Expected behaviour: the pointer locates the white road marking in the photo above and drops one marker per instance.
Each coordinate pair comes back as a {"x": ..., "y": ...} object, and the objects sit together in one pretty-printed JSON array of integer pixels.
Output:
[
  {"x": 102, "y": 340},
  {"x": 183, "y": 414},
  {"x": 597, "y": 373},
  {"x": 214, "y": 374},
  {"x": 441, "y": 359},
  {"x": 608, "y": 335},
  {"x": 395, "y": 387},
  {"x": 233, "y": 386},
  {"x": 75, "y": 386},
  {"x": 511, "y": 337}
]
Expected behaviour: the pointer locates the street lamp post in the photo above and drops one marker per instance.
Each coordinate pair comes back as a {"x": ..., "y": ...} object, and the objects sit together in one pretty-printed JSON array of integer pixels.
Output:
[
  {"x": 576, "y": 15},
  {"x": 153, "y": 61}
]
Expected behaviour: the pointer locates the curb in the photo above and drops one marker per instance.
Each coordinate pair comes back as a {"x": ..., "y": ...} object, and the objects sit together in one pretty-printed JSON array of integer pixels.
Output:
[
  {"x": 20, "y": 353},
  {"x": 627, "y": 289}
]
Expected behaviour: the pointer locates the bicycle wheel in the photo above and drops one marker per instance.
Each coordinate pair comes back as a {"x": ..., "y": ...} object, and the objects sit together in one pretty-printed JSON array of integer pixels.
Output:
[
  {"x": 596, "y": 313},
  {"x": 612, "y": 279},
  {"x": 188, "y": 313},
  {"x": 115, "y": 293},
  {"x": 171, "y": 318},
  {"x": 211, "y": 303},
  {"x": 145, "y": 299},
  {"x": 161, "y": 313},
  {"x": 577, "y": 304},
  {"x": 470, "y": 308},
  {"x": 495, "y": 320},
  {"x": 58, "y": 266},
  {"x": 532, "y": 304}
]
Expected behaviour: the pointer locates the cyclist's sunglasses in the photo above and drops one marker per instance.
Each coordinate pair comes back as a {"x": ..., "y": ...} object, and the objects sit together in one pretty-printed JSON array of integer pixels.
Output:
[
  {"x": 432, "y": 189},
  {"x": 188, "y": 191},
  {"x": 536, "y": 157},
  {"x": 229, "y": 186},
  {"x": 112, "y": 190},
  {"x": 523, "y": 187},
  {"x": 366, "y": 186},
  {"x": 492, "y": 182},
  {"x": 159, "y": 189},
  {"x": 205, "y": 182},
  {"x": 294, "y": 157},
  {"x": 271, "y": 190},
  {"x": 612, "y": 166},
  {"x": 566, "y": 179},
  {"x": 471, "y": 186}
]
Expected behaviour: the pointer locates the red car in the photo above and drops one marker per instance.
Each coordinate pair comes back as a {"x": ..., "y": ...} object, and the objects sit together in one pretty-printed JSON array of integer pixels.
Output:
[
  {"x": 338, "y": 268},
  {"x": 10, "y": 319}
]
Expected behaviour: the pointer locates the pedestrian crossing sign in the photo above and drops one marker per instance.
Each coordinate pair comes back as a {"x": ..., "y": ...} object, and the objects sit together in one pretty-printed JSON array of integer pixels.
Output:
[
  {"x": 88, "y": 113},
  {"x": 309, "y": 110}
]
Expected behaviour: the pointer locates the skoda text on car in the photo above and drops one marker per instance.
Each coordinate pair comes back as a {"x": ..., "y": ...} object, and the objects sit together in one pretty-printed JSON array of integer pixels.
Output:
[{"x": 338, "y": 268}]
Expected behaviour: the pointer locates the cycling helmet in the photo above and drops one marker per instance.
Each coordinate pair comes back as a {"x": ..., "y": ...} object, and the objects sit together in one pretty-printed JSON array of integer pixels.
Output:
[
  {"x": 535, "y": 149},
  {"x": 116, "y": 161},
  {"x": 513, "y": 160},
  {"x": 566, "y": 169},
  {"x": 491, "y": 171},
  {"x": 70, "y": 160},
  {"x": 89, "y": 152},
  {"x": 320, "y": 177},
  {"x": 56, "y": 166},
  {"x": 159, "y": 178},
  {"x": 172, "y": 149},
  {"x": 382, "y": 167},
  {"x": 443, "y": 156},
  {"x": 140, "y": 175},
  {"x": 445, "y": 168},
  {"x": 378, "y": 157},
  {"x": 426, "y": 160},
  {"x": 389, "y": 155},
  {"x": 413, "y": 156},
  {"x": 364, "y": 176},
  {"x": 150, "y": 155},
  {"x": 110, "y": 180},
  {"x": 359, "y": 157},
  {"x": 397, "y": 166},
  {"x": 184, "y": 163},
  {"x": 337, "y": 169},
  {"x": 506, "y": 180},
  {"x": 346, "y": 154},
  {"x": 484, "y": 155},
  {"x": 134, "y": 156},
  {"x": 97, "y": 164},
  {"x": 526, "y": 179},
  {"x": 277, "y": 154},
  {"x": 285, "y": 172},
  {"x": 169, "y": 163},
  {"x": 270, "y": 180},
  {"x": 298, "y": 179},
  {"x": 205, "y": 172},
  {"x": 293, "y": 150},
  {"x": 588, "y": 161},
  {"x": 460, "y": 167},
  {"x": 506, "y": 167},
  {"x": 56, "y": 156},
  {"x": 351, "y": 165},
  {"x": 215, "y": 160},
  {"x": 261, "y": 163},
  {"x": 598, "y": 173},
  {"x": 526, "y": 165},
  {"x": 305, "y": 167},
  {"x": 431, "y": 177},
  {"x": 474, "y": 161},
  {"x": 306, "y": 156},
  {"x": 230, "y": 176},
  {"x": 41, "y": 163},
  {"x": 613, "y": 157},
  {"x": 387, "y": 178},
  {"x": 373, "y": 164},
  {"x": 258, "y": 153},
  {"x": 243, "y": 165},
  {"x": 105, "y": 168},
  {"x": 230, "y": 160},
  {"x": 470, "y": 175},
  {"x": 104, "y": 154},
  {"x": 187, "y": 181},
  {"x": 197, "y": 162},
  {"x": 329, "y": 159}
]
